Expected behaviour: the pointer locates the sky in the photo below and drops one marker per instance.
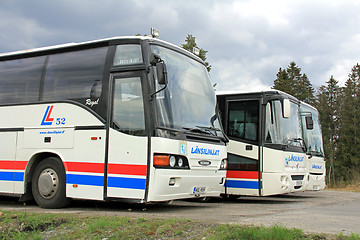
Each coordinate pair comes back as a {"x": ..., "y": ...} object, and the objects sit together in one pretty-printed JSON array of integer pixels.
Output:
[{"x": 247, "y": 40}]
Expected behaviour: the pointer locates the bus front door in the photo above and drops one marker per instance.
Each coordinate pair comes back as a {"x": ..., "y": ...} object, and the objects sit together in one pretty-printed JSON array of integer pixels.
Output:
[
  {"x": 243, "y": 175},
  {"x": 127, "y": 141}
]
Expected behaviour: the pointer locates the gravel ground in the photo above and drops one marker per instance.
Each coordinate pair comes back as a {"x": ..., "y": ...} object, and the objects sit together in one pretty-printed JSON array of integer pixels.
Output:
[{"x": 315, "y": 212}]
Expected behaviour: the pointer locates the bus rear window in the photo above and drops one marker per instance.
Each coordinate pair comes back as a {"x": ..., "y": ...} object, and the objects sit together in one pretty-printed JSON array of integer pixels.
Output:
[{"x": 128, "y": 54}]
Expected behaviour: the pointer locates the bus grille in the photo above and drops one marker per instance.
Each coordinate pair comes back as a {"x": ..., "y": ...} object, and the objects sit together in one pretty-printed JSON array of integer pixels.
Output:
[{"x": 297, "y": 177}]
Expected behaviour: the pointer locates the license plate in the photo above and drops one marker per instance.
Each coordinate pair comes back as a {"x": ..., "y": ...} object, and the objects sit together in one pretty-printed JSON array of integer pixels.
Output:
[
  {"x": 298, "y": 183},
  {"x": 316, "y": 187},
  {"x": 199, "y": 190}
]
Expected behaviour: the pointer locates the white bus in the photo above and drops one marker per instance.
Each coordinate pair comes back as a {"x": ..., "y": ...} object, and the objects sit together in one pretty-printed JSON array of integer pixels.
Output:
[
  {"x": 275, "y": 144},
  {"x": 125, "y": 118},
  {"x": 312, "y": 136}
]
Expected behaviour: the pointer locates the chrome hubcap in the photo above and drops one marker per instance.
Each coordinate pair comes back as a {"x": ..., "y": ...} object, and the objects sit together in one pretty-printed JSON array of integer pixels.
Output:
[{"x": 48, "y": 183}]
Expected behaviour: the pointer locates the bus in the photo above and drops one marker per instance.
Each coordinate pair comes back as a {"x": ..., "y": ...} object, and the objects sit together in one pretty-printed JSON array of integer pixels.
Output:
[
  {"x": 312, "y": 137},
  {"x": 124, "y": 119},
  {"x": 275, "y": 144}
]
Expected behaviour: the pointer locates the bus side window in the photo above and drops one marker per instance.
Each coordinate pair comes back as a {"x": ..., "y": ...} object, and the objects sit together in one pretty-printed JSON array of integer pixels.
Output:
[
  {"x": 20, "y": 80},
  {"x": 72, "y": 75}
]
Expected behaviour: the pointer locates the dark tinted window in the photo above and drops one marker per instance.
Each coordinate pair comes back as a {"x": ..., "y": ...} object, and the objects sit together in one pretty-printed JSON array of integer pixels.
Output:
[
  {"x": 237, "y": 162},
  {"x": 128, "y": 54},
  {"x": 20, "y": 80},
  {"x": 75, "y": 76},
  {"x": 243, "y": 120},
  {"x": 128, "y": 106}
]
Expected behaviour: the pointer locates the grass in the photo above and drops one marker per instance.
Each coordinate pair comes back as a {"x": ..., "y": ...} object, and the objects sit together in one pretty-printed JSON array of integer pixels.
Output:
[
  {"x": 349, "y": 187},
  {"x": 24, "y": 225}
]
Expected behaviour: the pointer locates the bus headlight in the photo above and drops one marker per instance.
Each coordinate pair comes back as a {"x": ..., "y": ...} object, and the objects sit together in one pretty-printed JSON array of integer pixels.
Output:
[
  {"x": 172, "y": 161},
  {"x": 180, "y": 162}
]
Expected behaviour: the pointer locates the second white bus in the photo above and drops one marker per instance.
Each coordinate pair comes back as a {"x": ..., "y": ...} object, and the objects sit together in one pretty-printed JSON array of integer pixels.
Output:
[{"x": 275, "y": 144}]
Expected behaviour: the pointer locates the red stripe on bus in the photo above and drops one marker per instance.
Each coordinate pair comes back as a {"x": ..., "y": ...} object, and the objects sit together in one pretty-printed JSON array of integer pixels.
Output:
[
  {"x": 127, "y": 169},
  {"x": 13, "y": 165},
  {"x": 20, "y": 165},
  {"x": 243, "y": 174},
  {"x": 84, "y": 167}
]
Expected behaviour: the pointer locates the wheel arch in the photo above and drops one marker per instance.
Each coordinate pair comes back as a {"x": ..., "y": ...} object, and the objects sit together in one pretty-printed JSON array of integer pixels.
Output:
[
  {"x": 34, "y": 162},
  {"x": 30, "y": 169}
]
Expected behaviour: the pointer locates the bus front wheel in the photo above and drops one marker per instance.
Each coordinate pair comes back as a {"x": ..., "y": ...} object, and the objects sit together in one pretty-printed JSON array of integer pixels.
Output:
[{"x": 49, "y": 184}]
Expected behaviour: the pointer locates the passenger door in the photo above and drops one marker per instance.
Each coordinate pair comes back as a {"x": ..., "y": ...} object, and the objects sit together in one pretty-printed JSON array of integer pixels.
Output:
[
  {"x": 243, "y": 176},
  {"x": 127, "y": 141}
]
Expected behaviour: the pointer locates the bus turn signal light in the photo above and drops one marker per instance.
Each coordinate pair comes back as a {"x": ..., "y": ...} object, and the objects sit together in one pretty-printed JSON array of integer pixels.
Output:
[{"x": 161, "y": 160}]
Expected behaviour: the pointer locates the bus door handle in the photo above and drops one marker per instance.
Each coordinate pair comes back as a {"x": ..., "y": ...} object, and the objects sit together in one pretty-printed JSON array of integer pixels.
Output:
[{"x": 249, "y": 147}]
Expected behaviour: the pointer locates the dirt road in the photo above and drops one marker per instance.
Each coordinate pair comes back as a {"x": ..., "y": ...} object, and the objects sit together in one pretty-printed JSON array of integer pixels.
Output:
[{"x": 314, "y": 212}]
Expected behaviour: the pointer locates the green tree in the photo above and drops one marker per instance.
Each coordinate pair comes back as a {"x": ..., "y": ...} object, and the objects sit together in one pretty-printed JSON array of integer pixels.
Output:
[
  {"x": 328, "y": 104},
  {"x": 293, "y": 82},
  {"x": 190, "y": 44},
  {"x": 349, "y": 132}
]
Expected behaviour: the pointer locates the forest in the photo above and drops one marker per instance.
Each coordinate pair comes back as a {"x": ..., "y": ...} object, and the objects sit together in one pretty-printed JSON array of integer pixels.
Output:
[{"x": 339, "y": 109}]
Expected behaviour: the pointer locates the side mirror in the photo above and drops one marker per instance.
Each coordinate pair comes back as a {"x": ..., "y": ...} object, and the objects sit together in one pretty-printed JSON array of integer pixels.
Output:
[
  {"x": 161, "y": 73},
  {"x": 286, "y": 108},
  {"x": 309, "y": 122}
]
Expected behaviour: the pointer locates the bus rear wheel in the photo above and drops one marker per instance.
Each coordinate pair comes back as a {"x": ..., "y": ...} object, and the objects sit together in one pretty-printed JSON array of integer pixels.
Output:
[{"x": 49, "y": 184}]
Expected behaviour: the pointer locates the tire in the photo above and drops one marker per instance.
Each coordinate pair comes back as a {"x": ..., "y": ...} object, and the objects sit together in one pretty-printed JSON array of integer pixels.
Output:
[{"x": 49, "y": 184}]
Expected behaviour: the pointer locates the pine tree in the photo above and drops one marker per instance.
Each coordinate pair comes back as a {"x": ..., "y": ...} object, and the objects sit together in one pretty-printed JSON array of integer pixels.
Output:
[
  {"x": 190, "y": 44},
  {"x": 328, "y": 104},
  {"x": 294, "y": 83},
  {"x": 306, "y": 90},
  {"x": 349, "y": 133},
  {"x": 283, "y": 82}
]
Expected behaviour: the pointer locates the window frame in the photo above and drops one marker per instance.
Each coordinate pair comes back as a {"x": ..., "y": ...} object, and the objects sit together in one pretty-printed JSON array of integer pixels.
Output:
[
  {"x": 124, "y": 75},
  {"x": 243, "y": 139}
]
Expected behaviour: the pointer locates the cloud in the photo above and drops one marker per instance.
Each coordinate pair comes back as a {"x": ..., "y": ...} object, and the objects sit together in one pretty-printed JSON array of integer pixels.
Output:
[
  {"x": 18, "y": 33},
  {"x": 246, "y": 40}
]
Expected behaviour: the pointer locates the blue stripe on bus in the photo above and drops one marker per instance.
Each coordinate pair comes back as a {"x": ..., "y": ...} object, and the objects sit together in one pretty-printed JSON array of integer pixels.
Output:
[
  {"x": 12, "y": 176},
  {"x": 243, "y": 184},
  {"x": 85, "y": 180},
  {"x": 132, "y": 183},
  {"x": 117, "y": 182}
]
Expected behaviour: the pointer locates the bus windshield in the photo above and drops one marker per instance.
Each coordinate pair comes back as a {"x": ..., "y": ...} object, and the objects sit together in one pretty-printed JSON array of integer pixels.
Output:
[
  {"x": 279, "y": 130},
  {"x": 188, "y": 103},
  {"x": 312, "y": 137}
]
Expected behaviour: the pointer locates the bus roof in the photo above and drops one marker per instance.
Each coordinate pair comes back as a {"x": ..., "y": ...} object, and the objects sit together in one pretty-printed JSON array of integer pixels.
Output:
[
  {"x": 234, "y": 92},
  {"x": 80, "y": 44},
  {"x": 258, "y": 93},
  {"x": 270, "y": 91}
]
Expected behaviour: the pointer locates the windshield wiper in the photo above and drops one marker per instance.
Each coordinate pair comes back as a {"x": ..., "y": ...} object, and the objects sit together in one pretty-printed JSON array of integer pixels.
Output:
[
  {"x": 199, "y": 130},
  {"x": 290, "y": 141},
  {"x": 209, "y": 130},
  {"x": 314, "y": 153},
  {"x": 294, "y": 140}
]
